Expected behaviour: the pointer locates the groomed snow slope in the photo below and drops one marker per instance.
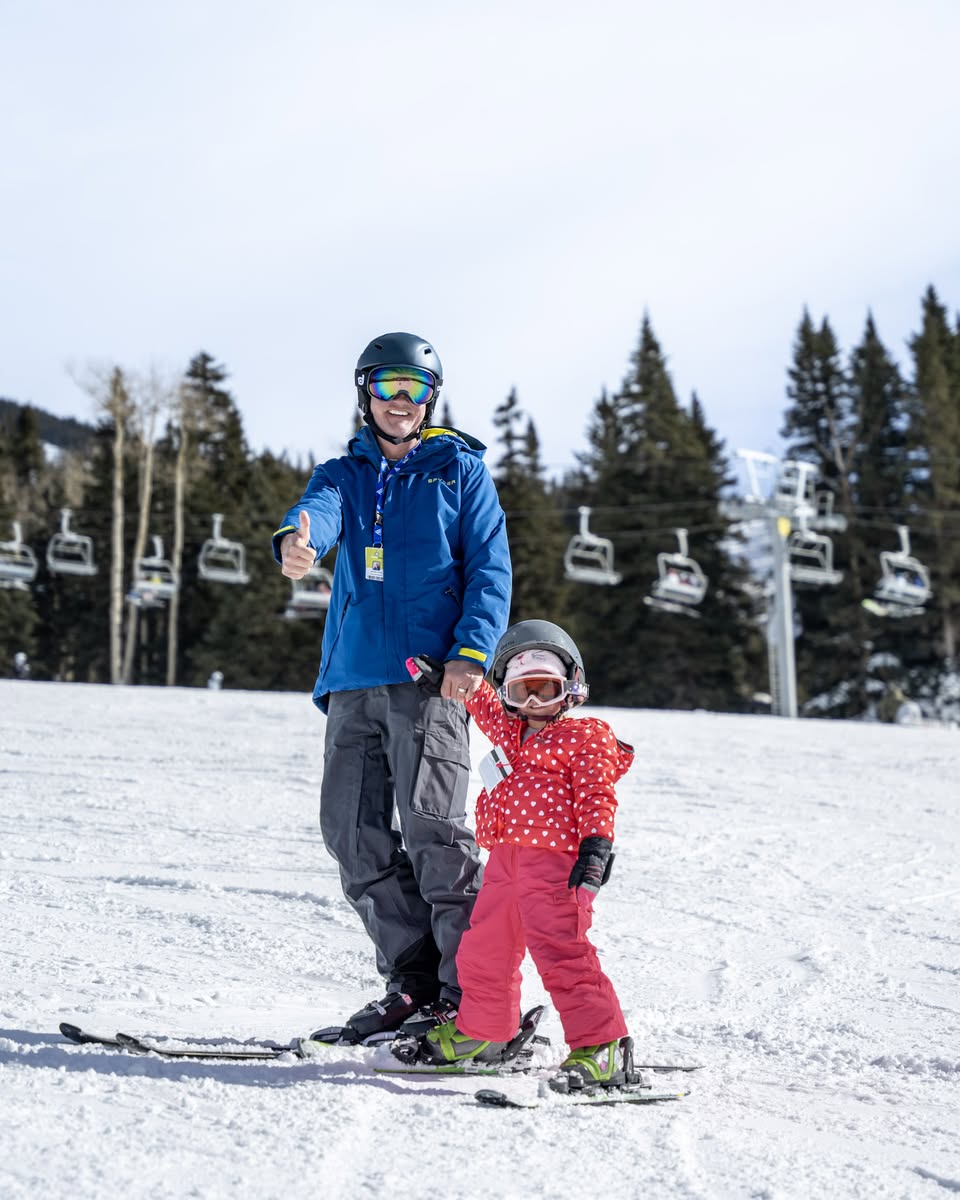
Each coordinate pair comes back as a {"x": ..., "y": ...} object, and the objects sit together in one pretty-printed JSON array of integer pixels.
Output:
[{"x": 783, "y": 910}]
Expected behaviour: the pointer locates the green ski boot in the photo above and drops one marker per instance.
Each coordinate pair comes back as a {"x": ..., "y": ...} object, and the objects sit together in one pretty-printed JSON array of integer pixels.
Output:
[
  {"x": 591, "y": 1068},
  {"x": 445, "y": 1045}
]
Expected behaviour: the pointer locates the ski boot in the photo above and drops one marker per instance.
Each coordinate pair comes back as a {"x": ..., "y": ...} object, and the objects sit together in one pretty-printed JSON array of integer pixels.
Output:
[
  {"x": 376, "y": 1021},
  {"x": 428, "y": 1017},
  {"x": 596, "y": 1068},
  {"x": 445, "y": 1045}
]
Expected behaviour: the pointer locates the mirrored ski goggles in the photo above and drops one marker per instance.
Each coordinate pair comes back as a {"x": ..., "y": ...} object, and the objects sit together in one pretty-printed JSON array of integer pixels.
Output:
[
  {"x": 538, "y": 691},
  {"x": 384, "y": 383}
]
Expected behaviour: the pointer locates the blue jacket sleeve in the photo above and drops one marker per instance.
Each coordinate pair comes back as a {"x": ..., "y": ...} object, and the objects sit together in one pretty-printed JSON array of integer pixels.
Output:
[
  {"x": 321, "y": 500},
  {"x": 486, "y": 571}
]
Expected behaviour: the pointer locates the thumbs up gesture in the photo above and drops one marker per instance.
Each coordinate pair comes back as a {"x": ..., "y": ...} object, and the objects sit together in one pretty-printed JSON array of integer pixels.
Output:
[{"x": 296, "y": 552}]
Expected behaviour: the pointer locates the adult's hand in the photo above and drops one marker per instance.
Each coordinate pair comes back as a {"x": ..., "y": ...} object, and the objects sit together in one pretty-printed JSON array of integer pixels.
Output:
[
  {"x": 296, "y": 553},
  {"x": 461, "y": 679}
]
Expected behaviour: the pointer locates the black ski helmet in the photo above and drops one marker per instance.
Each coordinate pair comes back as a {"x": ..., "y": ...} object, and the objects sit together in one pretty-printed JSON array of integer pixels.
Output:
[
  {"x": 540, "y": 635},
  {"x": 397, "y": 350}
]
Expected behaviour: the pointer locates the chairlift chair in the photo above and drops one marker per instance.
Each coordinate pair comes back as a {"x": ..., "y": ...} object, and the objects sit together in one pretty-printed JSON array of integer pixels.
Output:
[
  {"x": 588, "y": 558},
  {"x": 310, "y": 596},
  {"x": 756, "y": 461},
  {"x": 795, "y": 486},
  {"x": 70, "y": 553},
  {"x": 18, "y": 563},
  {"x": 154, "y": 579},
  {"x": 220, "y": 560},
  {"x": 810, "y": 555},
  {"x": 680, "y": 584},
  {"x": 904, "y": 585}
]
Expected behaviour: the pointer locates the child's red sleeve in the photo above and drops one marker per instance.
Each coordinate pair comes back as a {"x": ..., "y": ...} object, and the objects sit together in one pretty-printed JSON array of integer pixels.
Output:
[
  {"x": 594, "y": 770},
  {"x": 486, "y": 710}
]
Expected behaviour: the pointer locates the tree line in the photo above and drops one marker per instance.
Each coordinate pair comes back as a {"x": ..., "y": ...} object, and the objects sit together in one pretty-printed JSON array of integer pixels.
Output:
[{"x": 165, "y": 455}]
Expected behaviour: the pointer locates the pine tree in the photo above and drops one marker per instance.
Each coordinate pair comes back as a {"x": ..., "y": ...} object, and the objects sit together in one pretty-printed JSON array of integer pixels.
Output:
[
  {"x": 935, "y": 480},
  {"x": 651, "y": 467},
  {"x": 821, "y": 425},
  {"x": 534, "y": 526},
  {"x": 26, "y": 452},
  {"x": 880, "y": 472}
]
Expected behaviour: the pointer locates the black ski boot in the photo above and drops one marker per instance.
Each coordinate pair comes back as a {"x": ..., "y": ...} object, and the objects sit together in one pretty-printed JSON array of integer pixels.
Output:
[{"x": 378, "y": 1017}]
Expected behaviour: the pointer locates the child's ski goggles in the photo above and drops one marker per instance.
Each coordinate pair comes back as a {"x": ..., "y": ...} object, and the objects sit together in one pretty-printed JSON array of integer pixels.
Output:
[
  {"x": 386, "y": 383},
  {"x": 539, "y": 691}
]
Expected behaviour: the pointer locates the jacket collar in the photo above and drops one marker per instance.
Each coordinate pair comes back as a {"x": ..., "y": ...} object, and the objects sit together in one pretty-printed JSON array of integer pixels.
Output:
[{"x": 437, "y": 446}]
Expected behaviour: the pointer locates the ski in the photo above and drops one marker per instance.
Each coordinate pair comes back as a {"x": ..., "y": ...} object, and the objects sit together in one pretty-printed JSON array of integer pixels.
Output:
[
  {"x": 629, "y": 1095},
  {"x": 139, "y": 1045},
  {"x": 343, "y": 1035},
  {"x": 236, "y": 1052},
  {"x": 519, "y": 1065},
  {"x": 83, "y": 1037},
  {"x": 667, "y": 1068}
]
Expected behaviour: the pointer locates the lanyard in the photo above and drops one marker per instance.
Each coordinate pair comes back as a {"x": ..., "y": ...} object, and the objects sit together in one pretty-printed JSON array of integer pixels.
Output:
[{"x": 387, "y": 471}]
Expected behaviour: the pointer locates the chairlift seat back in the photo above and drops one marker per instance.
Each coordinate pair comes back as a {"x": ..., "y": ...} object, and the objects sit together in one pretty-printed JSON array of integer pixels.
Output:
[
  {"x": 71, "y": 554},
  {"x": 905, "y": 580},
  {"x": 310, "y": 596},
  {"x": 18, "y": 564},
  {"x": 222, "y": 562},
  {"x": 680, "y": 580},
  {"x": 589, "y": 559}
]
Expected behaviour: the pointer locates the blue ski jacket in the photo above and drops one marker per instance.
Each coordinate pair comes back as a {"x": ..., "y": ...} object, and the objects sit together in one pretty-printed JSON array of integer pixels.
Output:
[{"x": 445, "y": 586}]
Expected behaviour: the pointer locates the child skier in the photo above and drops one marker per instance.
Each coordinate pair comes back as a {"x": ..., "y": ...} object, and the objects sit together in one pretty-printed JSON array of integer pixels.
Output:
[{"x": 546, "y": 816}]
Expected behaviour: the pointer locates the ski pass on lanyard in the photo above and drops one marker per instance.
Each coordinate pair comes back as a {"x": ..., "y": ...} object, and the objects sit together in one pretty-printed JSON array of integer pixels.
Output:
[{"x": 373, "y": 555}]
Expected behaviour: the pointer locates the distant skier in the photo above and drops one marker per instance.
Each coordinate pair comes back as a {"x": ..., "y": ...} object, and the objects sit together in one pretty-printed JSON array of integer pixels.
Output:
[
  {"x": 21, "y": 665},
  {"x": 546, "y": 816}
]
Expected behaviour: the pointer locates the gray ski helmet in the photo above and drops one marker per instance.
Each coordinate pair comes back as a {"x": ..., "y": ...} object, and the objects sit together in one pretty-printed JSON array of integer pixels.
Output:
[
  {"x": 539, "y": 635},
  {"x": 398, "y": 350}
]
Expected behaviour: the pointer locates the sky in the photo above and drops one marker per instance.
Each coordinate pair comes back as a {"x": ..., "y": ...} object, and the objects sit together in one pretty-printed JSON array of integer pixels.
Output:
[
  {"x": 783, "y": 912},
  {"x": 518, "y": 181}
]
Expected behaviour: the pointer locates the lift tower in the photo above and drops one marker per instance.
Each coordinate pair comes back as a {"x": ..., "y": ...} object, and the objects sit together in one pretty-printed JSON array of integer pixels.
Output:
[{"x": 789, "y": 512}]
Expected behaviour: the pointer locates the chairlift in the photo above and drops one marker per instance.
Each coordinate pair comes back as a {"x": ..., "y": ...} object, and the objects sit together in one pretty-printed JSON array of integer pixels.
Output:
[
  {"x": 310, "y": 596},
  {"x": 795, "y": 486},
  {"x": 154, "y": 579},
  {"x": 220, "y": 560},
  {"x": 755, "y": 461},
  {"x": 588, "y": 558},
  {"x": 70, "y": 553},
  {"x": 810, "y": 554},
  {"x": 18, "y": 563},
  {"x": 904, "y": 585},
  {"x": 680, "y": 584}
]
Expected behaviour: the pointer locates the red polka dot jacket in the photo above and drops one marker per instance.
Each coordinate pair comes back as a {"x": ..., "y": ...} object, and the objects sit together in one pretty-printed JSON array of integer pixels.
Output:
[{"x": 561, "y": 788}]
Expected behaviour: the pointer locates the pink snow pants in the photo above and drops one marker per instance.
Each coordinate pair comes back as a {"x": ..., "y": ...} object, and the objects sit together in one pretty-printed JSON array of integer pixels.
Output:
[{"x": 524, "y": 903}]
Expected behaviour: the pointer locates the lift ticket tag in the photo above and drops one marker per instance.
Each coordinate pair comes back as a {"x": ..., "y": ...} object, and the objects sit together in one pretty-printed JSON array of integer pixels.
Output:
[{"x": 494, "y": 768}]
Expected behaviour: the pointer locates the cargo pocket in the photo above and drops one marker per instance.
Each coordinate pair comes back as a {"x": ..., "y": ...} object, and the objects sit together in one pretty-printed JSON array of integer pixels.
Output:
[
  {"x": 443, "y": 776},
  {"x": 584, "y": 913}
]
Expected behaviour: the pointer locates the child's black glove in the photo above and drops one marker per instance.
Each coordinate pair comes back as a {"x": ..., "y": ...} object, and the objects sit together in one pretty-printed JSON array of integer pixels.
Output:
[
  {"x": 593, "y": 865},
  {"x": 426, "y": 672}
]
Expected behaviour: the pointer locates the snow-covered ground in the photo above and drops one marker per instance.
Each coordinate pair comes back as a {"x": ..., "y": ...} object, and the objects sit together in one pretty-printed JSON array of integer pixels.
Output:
[{"x": 784, "y": 910}]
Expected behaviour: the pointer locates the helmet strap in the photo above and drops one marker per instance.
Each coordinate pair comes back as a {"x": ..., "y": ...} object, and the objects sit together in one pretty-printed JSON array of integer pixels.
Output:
[
  {"x": 388, "y": 437},
  {"x": 364, "y": 405}
]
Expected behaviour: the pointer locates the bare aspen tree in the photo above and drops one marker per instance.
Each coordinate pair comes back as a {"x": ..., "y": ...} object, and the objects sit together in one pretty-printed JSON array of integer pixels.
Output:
[
  {"x": 153, "y": 395},
  {"x": 107, "y": 387},
  {"x": 184, "y": 424}
]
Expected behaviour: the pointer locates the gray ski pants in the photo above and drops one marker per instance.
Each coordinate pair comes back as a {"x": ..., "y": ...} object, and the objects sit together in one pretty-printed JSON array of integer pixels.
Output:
[{"x": 397, "y": 756}]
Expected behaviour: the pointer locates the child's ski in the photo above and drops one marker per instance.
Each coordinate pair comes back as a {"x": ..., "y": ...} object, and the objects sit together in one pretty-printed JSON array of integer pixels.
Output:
[{"x": 492, "y": 1099}]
